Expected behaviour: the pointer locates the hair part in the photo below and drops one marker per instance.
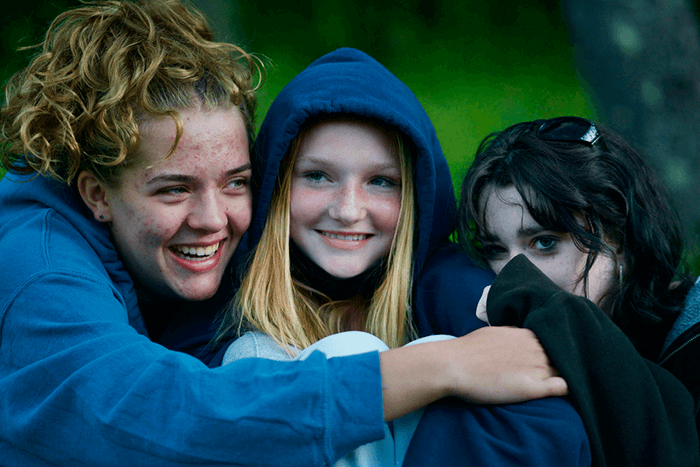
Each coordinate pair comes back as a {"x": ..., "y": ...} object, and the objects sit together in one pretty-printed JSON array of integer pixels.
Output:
[
  {"x": 618, "y": 198},
  {"x": 76, "y": 105},
  {"x": 272, "y": 301}
]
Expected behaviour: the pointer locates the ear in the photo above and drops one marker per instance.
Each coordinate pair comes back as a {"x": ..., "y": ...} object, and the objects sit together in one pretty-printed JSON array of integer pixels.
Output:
[{"x": 94, "y": 194}]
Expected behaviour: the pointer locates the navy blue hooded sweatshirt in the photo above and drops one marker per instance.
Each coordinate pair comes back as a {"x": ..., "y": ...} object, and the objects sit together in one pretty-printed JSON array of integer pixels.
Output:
[{"x": 348, "y": 82}]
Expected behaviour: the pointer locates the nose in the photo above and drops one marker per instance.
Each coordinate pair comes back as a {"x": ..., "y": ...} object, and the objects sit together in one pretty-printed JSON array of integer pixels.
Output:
[
  {"x": 207, "y": 212},
  {"x": 350, "y": 204},
  {"x": 500, "y": 263}
]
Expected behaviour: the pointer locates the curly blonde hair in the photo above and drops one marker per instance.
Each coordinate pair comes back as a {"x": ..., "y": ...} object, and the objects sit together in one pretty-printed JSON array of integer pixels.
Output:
[{"x": 75, "y": 106}]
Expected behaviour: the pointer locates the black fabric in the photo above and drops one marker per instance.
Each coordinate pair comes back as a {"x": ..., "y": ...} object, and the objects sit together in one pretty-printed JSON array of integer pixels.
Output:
[
  {"x": 635, "y": 412},
  {"x": 314, "y": 276},
  {"x": 683, "y": 360}
]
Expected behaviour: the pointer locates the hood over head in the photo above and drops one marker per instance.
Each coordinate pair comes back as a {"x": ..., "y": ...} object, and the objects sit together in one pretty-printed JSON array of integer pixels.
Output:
[
  {"x": 350, "y": 82},
  {"x": 35, "y": 205}
]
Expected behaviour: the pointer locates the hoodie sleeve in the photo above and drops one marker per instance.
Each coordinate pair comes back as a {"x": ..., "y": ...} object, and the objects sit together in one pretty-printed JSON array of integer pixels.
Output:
[
  {"x": 538, "y": 433},
  {"x": 79, "y": 386},
  {"x": 635, "y": 412}
]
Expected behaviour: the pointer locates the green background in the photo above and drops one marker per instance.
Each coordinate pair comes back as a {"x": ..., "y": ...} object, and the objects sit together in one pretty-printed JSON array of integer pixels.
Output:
[{"x": 476, "y": 66}]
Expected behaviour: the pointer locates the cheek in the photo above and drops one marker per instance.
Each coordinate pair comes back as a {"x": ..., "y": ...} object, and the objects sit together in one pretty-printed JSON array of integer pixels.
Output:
[
  {"x": 497, "y": 266},
  {"x": 562, "y": 271},
  {"x": 566, "y": 275},
  {"x": 240, "y": 214},
  {"x": 306, "y": 205},
  {"x": 141, "y": 226},
  {"x": 387, "y": 214},
  {"x": 601, "y": 277}
]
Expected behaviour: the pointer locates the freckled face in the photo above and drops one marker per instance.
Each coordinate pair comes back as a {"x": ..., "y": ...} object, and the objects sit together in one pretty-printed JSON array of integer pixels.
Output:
[
  {"x": 513, "y": 231},
  {"x": 345, "y": 197},
  {"x": 176, "y": 221}
]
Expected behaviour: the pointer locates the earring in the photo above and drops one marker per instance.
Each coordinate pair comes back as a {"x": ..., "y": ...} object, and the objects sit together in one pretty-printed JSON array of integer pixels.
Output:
[
  {"x": 620, "y": 278},
  {"x": 101, "y": 217}
]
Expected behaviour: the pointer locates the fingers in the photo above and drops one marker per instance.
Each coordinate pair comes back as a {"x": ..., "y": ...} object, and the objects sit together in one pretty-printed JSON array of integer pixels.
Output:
[
  {"x": 503, "y": 365},
  {"x": 557, "y": 386},
  {"x": 481, "y": 306},
  {"x": 554, "y": 386}
]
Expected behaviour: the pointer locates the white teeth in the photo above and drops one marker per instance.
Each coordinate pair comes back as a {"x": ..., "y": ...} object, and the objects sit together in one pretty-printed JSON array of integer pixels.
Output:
[
  {"x": 199, "y": 253},
  {"x": 353, "y": 237}
]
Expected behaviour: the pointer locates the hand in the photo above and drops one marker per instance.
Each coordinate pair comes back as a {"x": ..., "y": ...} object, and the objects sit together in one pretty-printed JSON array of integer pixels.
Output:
[
  {"x": 492, "y": 365},
  {"x": 497, "y": 365},
  {"x": 481, "y": 306}
]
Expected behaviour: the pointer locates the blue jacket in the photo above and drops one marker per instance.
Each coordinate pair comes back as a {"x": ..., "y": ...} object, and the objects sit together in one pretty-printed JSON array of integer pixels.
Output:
[
  {"x": 347, "y": 81},
  {"x": 82, "y": 384},
  {"x": 681, "y": 353}
]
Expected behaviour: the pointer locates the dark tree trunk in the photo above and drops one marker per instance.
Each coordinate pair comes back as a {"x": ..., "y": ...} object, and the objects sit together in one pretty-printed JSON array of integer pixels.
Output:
[{"x": 641, "y": 62}]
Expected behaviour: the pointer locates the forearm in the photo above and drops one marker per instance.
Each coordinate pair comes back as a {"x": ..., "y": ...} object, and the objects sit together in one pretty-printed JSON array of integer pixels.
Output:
[{"x": 412, "y": 377}]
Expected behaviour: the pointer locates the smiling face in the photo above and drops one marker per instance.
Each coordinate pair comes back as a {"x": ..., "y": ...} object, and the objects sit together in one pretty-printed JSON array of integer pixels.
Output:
[
  {"x": 176, "y": 221},
  {"x": 513, "y": 231},
  {"x": 345, "y": 196}
]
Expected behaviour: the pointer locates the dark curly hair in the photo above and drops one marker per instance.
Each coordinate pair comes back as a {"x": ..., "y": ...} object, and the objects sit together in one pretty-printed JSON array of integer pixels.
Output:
[{"x": 620, "y": 200}]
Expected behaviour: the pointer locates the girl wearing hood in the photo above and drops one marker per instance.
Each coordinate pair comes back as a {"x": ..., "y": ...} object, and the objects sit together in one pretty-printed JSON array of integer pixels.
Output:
[
  {"x": 353, "y": 198},
  {"x": 587, "y": 248}
]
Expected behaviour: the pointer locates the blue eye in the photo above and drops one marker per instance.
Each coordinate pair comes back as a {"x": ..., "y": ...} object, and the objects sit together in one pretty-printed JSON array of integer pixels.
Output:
[
  {"x": 384, "y": 182},
  {"x": 545, "y": 243},
  {"x": 174, "y": 190},
  {"x": 315, "y": 176},
  {"x": 239, "y": 182}
]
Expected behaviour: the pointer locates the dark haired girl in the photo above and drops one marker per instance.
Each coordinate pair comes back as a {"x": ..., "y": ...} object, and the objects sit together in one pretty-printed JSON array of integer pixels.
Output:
[{"x": 576, "y": 202}]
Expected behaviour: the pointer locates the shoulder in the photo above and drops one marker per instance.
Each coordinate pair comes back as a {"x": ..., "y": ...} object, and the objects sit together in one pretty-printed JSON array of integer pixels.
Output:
[
  {"x": 447, "y": 292},
  {"x": 689, "y": 317},
  {"x": 48, "y": 246},
  {"x": 451, "y": 263},
  {"x": 53, "y": 224},
  {"x": 681, "y": 355},
  {"x": 40, "y": 239}
]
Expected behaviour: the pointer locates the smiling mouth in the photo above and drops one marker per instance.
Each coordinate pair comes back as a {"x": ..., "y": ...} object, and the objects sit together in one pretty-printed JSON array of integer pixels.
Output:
[
  {"x": 196, "y": 253},
  {"x": 347, "y": 237}
]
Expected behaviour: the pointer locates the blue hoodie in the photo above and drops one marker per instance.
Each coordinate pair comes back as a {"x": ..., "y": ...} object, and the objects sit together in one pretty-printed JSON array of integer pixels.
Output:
[
  {"x": 82, "y": 384},
  {"x": 347, "y": 81}
]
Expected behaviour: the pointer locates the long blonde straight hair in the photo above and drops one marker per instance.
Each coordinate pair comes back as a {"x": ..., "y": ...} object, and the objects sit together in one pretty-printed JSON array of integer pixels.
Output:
[{"x": 295, "y": 315}]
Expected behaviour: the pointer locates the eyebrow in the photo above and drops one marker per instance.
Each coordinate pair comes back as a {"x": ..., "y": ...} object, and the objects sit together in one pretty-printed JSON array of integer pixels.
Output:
[
  {"x": 522, "y": 232},
  {"x": 323, "y": 161},
  {"x": 180, "y": 178},
  {"x": 530, "y": 231}
]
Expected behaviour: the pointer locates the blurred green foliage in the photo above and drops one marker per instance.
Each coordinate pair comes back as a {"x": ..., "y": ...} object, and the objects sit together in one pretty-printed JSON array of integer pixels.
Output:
[{"x": 477, "y": 67}]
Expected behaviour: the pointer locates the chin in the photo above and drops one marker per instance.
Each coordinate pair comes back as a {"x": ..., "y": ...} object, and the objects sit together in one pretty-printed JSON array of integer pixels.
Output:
[
  {"x": 345, "y": 273},
  {"x": 198, "y": 293}
]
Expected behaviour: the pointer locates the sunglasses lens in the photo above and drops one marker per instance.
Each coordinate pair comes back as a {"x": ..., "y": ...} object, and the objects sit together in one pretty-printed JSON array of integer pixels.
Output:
[{"x": 569, "y": 129}]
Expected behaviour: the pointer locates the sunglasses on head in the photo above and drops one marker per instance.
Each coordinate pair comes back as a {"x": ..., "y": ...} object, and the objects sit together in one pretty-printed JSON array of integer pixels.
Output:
[{"x": 568, "y": 129}]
